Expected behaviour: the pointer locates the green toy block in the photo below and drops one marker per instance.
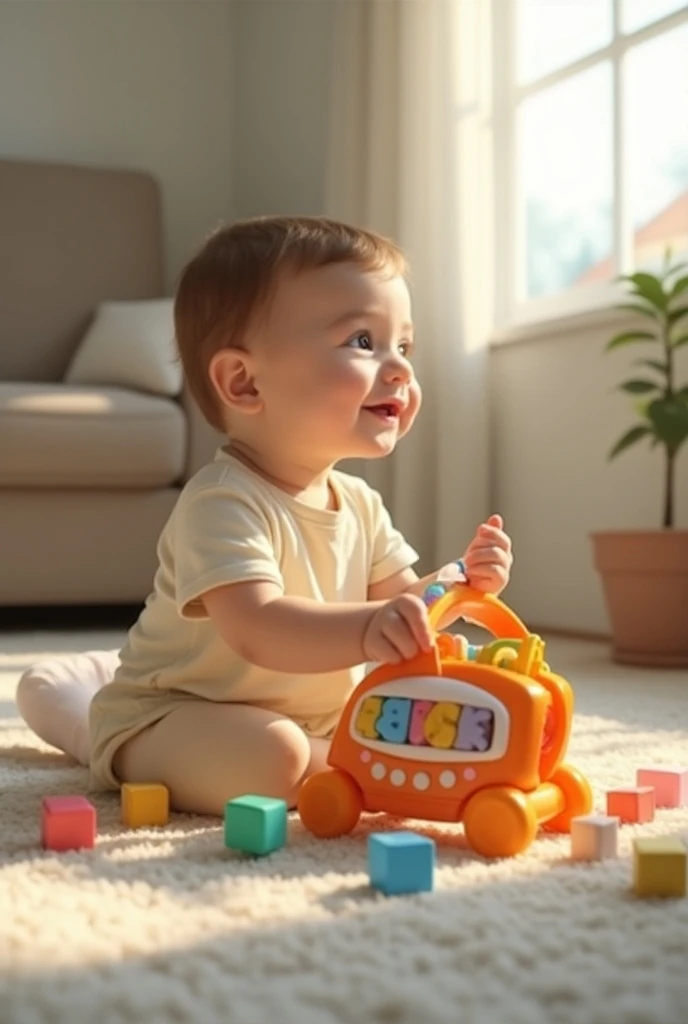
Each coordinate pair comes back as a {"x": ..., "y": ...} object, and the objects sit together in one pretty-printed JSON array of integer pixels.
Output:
[{"x": 255, "y": 824}]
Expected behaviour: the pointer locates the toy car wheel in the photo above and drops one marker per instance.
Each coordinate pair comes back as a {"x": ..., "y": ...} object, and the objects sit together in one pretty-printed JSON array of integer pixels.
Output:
[
  {"x": 577, "y": 797},
  {"x": 499, "y": 822},
  {"x": 329, "y": 803}
]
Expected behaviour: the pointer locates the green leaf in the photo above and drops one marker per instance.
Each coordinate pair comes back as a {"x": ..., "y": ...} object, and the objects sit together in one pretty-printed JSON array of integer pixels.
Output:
[
  {"x": 654, "y": 364},
  {"x": 675, "y": 315},
  {"x": 629, "y": 438},
  {"x": 635, "y": 307},
  {"x": 628, "y": 336},
  {"x": 669, "y": 417},
  {"x": 680, "y": 341},
  {"x": 649, "y": 287},
  {"x": 639, "y": 387},
  {"x": 678, "y": 287}
]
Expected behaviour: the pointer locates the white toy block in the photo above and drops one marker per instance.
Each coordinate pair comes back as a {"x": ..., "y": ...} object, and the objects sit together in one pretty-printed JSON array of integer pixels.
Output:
[
  {"x": 594, "y": 837},
  {"x": 670, "y": 783}
]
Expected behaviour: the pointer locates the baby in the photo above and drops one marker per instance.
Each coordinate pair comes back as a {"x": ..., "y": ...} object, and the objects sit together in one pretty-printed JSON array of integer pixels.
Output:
[{"x": 279, "y": 576}]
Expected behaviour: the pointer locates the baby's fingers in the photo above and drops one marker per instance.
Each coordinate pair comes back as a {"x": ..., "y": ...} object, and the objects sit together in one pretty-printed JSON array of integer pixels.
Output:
[
  {"x": 415, "y": 614},
  {"x": 398, "y": 634},
  {"x": 489, "y": 555},
  {"x": 387, "y": 652}
]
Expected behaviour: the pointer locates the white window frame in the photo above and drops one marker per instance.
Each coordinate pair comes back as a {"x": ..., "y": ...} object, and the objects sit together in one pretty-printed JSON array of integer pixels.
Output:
[{"x": 513, "y": 318}]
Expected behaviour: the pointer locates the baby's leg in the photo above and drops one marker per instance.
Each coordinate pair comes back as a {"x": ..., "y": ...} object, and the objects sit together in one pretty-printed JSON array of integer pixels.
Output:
[
  {"x": 53, "y": 697},
  {"x": 208, "y": 753}
]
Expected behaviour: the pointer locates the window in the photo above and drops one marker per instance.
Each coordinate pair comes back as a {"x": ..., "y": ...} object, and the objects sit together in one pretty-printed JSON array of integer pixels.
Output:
[{"x": 590, "y": 145}]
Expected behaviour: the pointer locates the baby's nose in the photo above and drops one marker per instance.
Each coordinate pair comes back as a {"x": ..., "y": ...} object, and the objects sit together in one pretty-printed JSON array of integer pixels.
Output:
[{"x": 395, "y": 367}]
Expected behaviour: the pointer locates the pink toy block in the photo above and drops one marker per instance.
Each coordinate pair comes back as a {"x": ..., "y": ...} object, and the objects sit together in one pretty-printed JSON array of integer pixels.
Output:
[
  {"x": 594, "y": 837},
  {"x": 670, "y": 783},
  {"x": 68, "y": 823},
  {"x": 634, "y": 804}
]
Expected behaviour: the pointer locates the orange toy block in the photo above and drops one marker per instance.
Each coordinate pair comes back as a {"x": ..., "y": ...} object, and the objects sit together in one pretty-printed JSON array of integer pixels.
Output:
[
  {"x": 660, "y": 866},
  {"x": 634, "y": 804},
  {"x": 670, "y": 784},
  {"x": 68, "y": 823},
  {"x": 145, "y": 803},
  {"x": 594, "y": 837}
]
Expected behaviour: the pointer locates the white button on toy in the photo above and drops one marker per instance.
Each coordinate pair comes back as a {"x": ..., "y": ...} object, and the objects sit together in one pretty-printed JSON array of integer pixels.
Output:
[
  {"x": 397, "y": 778},
  {"x": 378, "y": 771},
  {"x": 447, "y": 779},
  {"x": 421, "y": 780}
]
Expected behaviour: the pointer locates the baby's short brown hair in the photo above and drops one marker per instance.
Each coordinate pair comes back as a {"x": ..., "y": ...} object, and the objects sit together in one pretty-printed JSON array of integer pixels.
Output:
[{"x": 233, "y": 277}]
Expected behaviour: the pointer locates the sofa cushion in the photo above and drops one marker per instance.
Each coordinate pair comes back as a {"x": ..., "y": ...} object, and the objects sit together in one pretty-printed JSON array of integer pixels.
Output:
[
  {"x": 60, "y": 435},
  {"x": 130, "y": 345}
]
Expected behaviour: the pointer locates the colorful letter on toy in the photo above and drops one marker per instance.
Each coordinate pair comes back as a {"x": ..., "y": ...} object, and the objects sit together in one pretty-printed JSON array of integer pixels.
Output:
[
  {"x": 367, "y": 718},
  {"x": 419, "y": 713},
  {"x": 440, "y": 724},
  {"x": 393, "y": 723}
]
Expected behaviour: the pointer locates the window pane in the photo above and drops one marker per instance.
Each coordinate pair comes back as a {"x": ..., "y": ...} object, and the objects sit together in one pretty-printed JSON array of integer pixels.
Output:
[
  {"x": 657, "y": 126},
  {"x": 636, "y": 14},
  {"x": 550, "y": 35},
  {"x": 565, "y": 182}
]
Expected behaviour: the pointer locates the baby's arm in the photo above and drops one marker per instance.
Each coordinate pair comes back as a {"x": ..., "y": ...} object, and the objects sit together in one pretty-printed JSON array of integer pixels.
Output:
[{"x": 296, "y": 634}]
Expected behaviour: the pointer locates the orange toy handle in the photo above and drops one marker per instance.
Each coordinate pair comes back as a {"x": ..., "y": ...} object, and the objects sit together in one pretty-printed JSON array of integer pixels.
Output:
[{"x": 480, "y": 609}]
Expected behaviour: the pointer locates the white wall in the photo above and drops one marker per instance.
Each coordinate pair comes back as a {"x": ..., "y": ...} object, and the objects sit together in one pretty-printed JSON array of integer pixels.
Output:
[
  {"x": 281, "y": 59},
  {"x": 555, "y": 415},
  {"x": 134, "y": 84}
]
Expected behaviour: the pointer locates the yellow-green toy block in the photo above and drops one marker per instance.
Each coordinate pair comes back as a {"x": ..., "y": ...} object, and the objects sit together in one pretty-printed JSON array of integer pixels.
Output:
[
  {"x": 660, "y": 866},
  {"x": 255, "y": 824}
]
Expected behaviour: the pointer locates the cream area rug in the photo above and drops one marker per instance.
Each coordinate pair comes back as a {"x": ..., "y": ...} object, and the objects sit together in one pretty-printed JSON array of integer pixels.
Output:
[{"x": 166, "y": 925}]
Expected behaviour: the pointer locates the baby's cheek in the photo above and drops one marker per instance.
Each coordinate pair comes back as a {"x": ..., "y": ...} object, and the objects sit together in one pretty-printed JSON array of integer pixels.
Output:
[
  {"x": 351, "y": 384},
  {"x": 412, "y": 408}
]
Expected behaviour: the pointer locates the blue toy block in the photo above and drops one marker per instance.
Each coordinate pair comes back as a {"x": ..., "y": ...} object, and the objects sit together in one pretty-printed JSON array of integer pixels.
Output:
[
  {"x": 255, "y": 824},
  {"x": 401, "y": 862}
]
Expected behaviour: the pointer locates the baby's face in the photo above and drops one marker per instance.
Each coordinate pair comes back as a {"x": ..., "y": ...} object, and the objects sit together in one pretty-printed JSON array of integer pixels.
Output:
[{"x": 332, "y": 364}]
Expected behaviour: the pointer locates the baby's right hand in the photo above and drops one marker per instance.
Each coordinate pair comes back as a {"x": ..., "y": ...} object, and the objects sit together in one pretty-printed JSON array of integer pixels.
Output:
[{"x": 398, "y": 630}]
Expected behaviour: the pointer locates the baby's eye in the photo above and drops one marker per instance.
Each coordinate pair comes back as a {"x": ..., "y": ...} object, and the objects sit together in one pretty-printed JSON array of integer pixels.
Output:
[
  {"x": 362, "y": 337},
  {"x": 406, "y": 349}
]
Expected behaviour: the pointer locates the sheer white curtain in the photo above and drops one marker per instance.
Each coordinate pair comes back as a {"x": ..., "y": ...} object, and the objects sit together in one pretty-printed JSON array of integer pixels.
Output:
[{"x": 407, "y": 158}]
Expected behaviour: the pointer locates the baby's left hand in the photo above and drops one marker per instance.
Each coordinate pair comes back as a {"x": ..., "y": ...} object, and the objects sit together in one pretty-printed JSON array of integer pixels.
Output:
[{"x": 488, "y": 558}]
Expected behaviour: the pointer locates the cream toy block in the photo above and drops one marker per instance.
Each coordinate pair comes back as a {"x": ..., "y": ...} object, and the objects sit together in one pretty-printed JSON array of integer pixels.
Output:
[
  {"x": 660, "y": 866},
  {"x": 594, "y": 837},
  {"x": 634, "y": 804},
  {"x": 670, "y": 784},
  {"x": 145, "y": 803}
]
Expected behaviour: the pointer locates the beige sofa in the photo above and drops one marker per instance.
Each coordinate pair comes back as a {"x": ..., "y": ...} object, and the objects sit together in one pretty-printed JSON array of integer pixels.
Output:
[{"x": 88, "y": 474}]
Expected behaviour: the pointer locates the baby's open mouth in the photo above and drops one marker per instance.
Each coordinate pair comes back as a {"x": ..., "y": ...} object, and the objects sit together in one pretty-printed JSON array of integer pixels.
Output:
[{"x": 384, "y": 411}]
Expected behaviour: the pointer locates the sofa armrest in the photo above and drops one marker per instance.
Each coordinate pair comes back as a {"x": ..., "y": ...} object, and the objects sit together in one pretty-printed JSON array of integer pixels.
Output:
[{"x": 204, "y": 440}]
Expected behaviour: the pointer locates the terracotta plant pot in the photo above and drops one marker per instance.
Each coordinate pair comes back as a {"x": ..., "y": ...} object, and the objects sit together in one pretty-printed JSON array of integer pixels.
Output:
[{"x": 645, "y": 577}]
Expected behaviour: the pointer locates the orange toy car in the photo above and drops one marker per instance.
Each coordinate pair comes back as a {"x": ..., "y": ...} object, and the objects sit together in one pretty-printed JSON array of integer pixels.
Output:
[{"x": 447, "y": 738}]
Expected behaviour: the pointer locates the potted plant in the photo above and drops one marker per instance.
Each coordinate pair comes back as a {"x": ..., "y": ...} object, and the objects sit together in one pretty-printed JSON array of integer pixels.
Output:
[{"x": 645, "y": 572}]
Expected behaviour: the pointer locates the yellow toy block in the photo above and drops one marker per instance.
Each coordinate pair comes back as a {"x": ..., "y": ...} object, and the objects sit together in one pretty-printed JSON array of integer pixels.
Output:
[
  {"x": 660, "y": 866},
  {"x": 145, "y": 804}
]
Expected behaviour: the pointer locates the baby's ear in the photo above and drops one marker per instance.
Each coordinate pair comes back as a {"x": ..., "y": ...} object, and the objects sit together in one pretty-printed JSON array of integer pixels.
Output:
[{"x": 231, "y": 374}]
